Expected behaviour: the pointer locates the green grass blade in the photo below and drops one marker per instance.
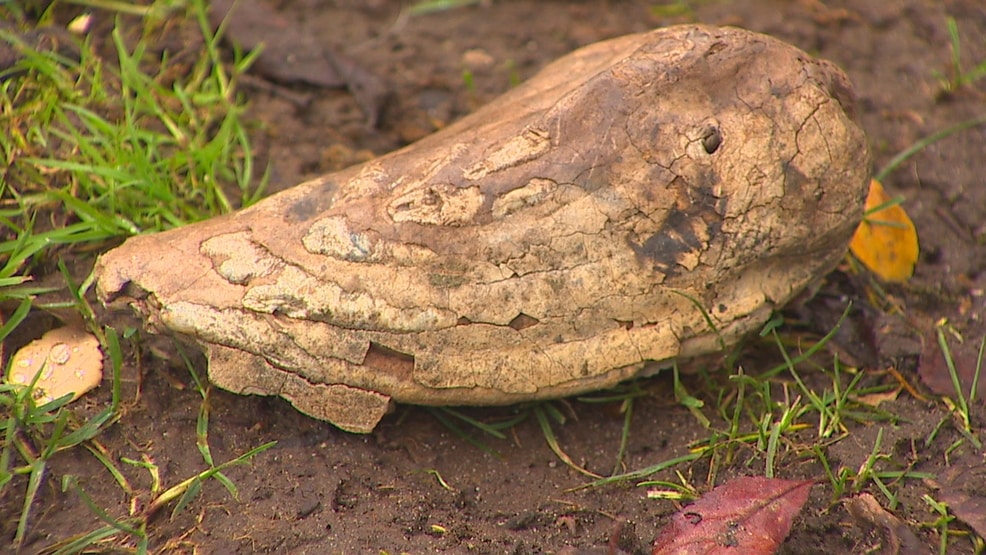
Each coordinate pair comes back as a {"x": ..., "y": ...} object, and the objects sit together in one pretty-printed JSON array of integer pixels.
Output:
[
  {"x": 15, "y": 318},
  {"x": 33, "y": 484},
  {"x": 642, "y": 473},
  {"x": 189, "y": 495},
  {"x": 541, "y": 413},
  {"x": 440, "y": 414},
  {"x": 624, "y": 435},
  {"x": 923, "y": 143},
  {"x": 78, "y": 544}
]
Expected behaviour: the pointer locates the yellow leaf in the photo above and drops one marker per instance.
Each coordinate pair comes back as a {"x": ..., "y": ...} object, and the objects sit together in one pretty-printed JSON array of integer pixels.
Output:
[
  {"x": 65, "y": 360},
  {"x": 885, "y": 241}
]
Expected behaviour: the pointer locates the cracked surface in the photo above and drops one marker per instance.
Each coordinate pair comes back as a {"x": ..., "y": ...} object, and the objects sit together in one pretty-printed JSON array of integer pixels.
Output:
[{"x": 549, "y": 244}]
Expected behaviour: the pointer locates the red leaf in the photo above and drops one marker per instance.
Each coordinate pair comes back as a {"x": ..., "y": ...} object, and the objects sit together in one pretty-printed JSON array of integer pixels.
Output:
[{"x": 745, "y": 516}]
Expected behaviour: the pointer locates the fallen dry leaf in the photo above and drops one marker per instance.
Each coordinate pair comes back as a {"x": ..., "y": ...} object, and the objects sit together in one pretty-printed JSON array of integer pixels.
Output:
[
  {"x": 933, "y": 369},
  {"x": 897, "y": 538},
  {"x": 874, "y": 399},
  {"x": 961, "y": 490},
  {"x": 886, "y": 241},
  {"x": 749, "y": 515},
  {"x": 68, "y": 359},
  {"x": 294, "y": 53},
  {"x": 831, "y": 310}
]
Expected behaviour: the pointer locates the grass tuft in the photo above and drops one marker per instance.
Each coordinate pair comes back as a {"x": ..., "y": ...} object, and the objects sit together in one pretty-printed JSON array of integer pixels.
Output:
[
  {"x": 94, "y": 152},
  {"x": 97, "y": 148},
  {"x": 958, "y": 76}
]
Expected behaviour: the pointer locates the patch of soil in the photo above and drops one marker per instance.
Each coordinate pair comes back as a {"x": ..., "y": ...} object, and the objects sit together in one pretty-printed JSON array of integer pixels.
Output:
[{"x": 320, "y": 490}]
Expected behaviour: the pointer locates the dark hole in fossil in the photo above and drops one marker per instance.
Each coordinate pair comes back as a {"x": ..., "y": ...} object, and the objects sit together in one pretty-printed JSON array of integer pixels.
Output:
[
  {"x": 388, "y": 360},
  {"x": 133, "y": 291},
  {"x": 523, "y": 321},
  {"x": 711, "y": 139},
  {"x": 625, "y": 324},
  {"x": 463, "y": 321}
]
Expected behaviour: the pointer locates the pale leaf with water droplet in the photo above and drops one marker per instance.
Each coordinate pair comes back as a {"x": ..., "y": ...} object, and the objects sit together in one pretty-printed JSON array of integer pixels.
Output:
[{"x": 68, "y": 360}]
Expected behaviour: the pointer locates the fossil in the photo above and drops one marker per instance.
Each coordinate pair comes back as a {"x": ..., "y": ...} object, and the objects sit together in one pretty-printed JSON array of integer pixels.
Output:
[{"x": 597, "y": 217}]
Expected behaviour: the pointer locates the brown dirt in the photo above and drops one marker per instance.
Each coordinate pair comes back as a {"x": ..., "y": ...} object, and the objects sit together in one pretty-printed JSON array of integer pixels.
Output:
[{"x": 321, "y": 490}]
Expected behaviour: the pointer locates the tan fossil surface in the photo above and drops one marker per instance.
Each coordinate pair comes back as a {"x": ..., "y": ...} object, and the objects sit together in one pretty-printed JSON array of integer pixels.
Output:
[{"x": 551, "y": 243}]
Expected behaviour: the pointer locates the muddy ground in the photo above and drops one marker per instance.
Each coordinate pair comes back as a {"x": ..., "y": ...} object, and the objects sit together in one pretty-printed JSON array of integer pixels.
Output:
[{"x": 320, "y": 490}]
